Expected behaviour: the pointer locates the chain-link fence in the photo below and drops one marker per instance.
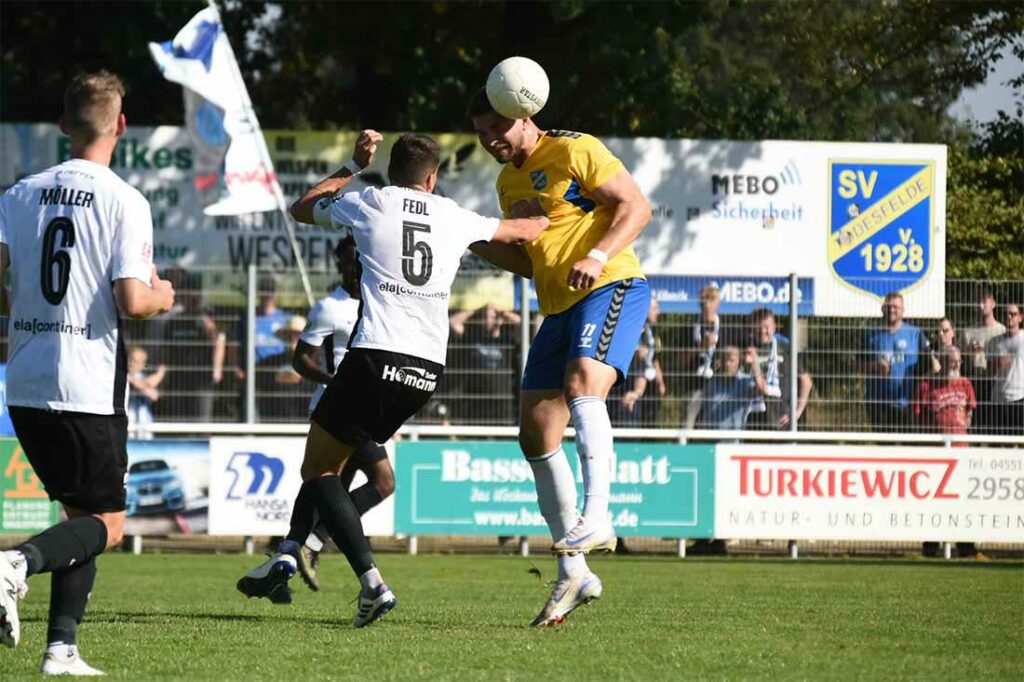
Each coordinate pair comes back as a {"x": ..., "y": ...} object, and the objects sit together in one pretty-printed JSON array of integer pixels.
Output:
[{"x": 961, "y": 374}]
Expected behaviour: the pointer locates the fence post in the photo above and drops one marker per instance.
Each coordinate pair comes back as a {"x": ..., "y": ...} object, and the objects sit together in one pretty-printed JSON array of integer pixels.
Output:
[
  {"x": 681, "y": 548},
  {"x": 250, "y": 345},
  {"x": 524, "y": 546},
  {"x": 249, "y": 546},
  {"x": 414, "y": 545},
  {"x": 794, "y": 308}
]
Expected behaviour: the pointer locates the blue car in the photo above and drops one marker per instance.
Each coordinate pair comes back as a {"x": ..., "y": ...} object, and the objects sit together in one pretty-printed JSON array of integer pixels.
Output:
[{"x": 154, "y": 487}]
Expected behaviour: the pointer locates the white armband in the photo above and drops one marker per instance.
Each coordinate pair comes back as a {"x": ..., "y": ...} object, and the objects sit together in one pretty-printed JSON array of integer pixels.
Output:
[{"x": 598, "y": 255}]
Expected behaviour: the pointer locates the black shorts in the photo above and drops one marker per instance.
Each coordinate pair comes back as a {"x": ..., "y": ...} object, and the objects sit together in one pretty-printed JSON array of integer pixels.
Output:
[
  {"x": 368, "y": 454},
  {"x": 373, "y": 393},
  {"x": 81, "y": 459}
]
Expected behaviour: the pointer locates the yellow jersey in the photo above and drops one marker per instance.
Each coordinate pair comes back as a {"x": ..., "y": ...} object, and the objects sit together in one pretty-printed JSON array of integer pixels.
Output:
[{"x": 556, "y": 180}]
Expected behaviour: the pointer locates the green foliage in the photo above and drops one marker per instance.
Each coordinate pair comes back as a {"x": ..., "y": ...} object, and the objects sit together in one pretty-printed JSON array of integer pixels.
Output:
[{"x": 985, "y": 204}]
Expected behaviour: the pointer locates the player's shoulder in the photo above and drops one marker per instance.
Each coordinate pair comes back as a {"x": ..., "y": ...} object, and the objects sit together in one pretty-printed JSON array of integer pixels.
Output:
[{"x": 571, "y": 140}]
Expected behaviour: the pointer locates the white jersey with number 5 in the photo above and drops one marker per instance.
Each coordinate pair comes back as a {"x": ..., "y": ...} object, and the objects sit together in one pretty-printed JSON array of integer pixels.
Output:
[
  {"x": 410, "y": 244},
  {"x": 71, "y": 231}
]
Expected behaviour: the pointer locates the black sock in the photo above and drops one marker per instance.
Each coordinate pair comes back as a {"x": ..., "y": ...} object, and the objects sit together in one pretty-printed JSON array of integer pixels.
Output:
[
  {"x": 69, "y": 594},
  {"x": 302, "y": 515},
  {"x": 342, "y": 520},
  {"x": 71, "y": 542},
  {"x": 365, "y": 497}
]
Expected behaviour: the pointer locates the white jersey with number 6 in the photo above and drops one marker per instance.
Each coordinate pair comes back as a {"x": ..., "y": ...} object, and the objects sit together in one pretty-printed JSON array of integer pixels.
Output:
[
  {"x": 71, "y": 231},
  {"x": 410, "y": 244}
]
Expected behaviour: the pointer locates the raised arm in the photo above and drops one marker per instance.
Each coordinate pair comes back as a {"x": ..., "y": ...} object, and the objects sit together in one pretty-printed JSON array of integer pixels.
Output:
[{"x": 362, "y": 155}]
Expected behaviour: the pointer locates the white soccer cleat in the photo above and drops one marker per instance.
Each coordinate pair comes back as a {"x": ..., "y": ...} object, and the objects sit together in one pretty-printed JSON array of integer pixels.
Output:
[
  {"x": 568, "y": 594},
  {"x": 374, "y": 606},
  {"x": 12, "y": 588},
  {"x": 269, "y": 579},
  {"x": 587, "y": 536},
  {"x": 61, "y": 662}
]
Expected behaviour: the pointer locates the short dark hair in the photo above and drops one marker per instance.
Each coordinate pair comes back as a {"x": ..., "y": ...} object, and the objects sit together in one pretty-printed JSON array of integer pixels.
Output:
[
  {"x": 984, "y": 293},
  {"x": 479, "y": 105},
  {"x": 759, "y": 315},
  {"x": 92, "y": 103},
  {"x": 413, "y": 158}
]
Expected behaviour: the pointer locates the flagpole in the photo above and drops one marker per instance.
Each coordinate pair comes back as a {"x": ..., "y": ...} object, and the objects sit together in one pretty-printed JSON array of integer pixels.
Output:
[{"x": 269, "y": 163}]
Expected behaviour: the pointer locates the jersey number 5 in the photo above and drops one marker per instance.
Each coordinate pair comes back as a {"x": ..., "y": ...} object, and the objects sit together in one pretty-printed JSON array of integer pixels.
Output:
[
  {"x": 55, "y": 288},
  {"x": 410, "y": 248}
]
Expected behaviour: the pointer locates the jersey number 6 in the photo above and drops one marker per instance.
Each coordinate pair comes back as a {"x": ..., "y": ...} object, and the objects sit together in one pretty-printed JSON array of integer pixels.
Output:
[{"x": 54, "y": 255}]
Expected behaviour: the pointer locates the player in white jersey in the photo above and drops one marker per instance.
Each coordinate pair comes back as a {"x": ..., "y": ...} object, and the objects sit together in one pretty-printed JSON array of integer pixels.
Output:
[
  {"x": 328, "y": 329},
  {"x": 78, "y": 241},
  {"x": 410, "y": 242}
]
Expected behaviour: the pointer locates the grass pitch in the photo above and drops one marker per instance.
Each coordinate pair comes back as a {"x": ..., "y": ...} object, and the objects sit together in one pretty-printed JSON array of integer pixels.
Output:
[{"x": 466, "y": 617}]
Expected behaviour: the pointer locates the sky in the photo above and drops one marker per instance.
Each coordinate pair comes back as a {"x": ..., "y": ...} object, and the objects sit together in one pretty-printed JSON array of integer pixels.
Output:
[{"x": 984, "y": 102}]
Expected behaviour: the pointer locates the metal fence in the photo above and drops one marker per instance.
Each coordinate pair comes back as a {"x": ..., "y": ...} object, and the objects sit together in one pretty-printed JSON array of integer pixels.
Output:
[{"x": 962, "y": 374}]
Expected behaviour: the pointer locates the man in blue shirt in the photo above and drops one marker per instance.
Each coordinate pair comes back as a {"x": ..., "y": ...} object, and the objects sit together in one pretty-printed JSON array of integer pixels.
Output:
[{"x": 893, "y": 359}]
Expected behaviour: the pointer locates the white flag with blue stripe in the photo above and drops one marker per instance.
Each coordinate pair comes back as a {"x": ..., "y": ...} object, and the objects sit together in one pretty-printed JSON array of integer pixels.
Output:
[{"x": 234, "y": 173}]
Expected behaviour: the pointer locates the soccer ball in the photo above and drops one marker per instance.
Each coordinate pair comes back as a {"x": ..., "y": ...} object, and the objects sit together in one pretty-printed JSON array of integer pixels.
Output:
[{"x": 517, "y": 87}]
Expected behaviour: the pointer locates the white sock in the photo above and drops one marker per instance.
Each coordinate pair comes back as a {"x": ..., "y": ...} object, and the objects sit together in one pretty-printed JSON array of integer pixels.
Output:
[
  {"x": 594, "y": 446},
  {"x": 556, "y": 497},
  {"x": 371, "y": 580},
  {"x": 314, "y": 542},
  {"x": 62, "y": 650}
]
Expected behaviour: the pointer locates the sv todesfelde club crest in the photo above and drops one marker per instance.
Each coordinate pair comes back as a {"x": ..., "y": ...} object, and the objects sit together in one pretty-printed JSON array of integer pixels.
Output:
[{"x": 880, "y": 223}]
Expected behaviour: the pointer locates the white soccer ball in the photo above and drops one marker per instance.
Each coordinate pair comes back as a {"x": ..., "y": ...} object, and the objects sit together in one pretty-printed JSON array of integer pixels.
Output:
[{"x": 517, "y": 87}]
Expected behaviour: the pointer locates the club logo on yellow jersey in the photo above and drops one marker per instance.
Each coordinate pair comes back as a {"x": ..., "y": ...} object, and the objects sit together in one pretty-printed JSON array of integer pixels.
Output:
[{"x": 539, "y": 179}]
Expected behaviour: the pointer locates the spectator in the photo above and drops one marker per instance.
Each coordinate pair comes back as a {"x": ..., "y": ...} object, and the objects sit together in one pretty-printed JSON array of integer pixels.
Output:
[
  {"x": 282, "y": 394},
  {"x": 193, "y": 351},
  {"x": 269, "y": 319},
  {"x": 945, "y": 403},
  {"x": 976, "y": 341},
  {"x": 892, "y": 360},
  {"x": 1006, "y": 363},
  {"x": 945, "y": 338},
  {"x": 772, "y": 411},
  {"x": 142, "y": 394},
  {"x": 485, "y": 346},
  {"x": 636, "y": 405},
  {"x": 729, "y": 392},
  {"x": 698, "y": 359}
]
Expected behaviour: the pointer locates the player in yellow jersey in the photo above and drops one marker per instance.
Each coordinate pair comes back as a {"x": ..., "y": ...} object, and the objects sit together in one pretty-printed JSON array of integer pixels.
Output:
[{"x": 595, "y": 299}]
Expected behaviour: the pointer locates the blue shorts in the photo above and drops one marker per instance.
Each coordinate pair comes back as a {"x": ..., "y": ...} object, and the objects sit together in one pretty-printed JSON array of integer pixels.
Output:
[{"x": 605, "y": 326}]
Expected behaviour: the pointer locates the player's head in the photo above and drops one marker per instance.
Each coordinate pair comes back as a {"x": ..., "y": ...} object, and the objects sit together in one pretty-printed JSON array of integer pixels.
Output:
[
  {"x": 346, "y": 258},
  {"x": 414, "y": 162},
  {"x": 503, "y": 138},
  {"x": 92, "y": 108}
]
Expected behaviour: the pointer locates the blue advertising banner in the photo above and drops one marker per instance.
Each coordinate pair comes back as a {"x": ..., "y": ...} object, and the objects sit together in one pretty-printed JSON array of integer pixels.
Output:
[
  {"x": 487, "y": 488},
  {"x": 740, "y": 295}
]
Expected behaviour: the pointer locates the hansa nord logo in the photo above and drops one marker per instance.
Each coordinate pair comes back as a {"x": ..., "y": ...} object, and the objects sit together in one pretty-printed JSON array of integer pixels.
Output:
[
  {"x": 539, "y": 179},
  {"x": 254, "y": 474},
  {"x": 414, "y": 377},
  {"x": 881, "y": 221}
]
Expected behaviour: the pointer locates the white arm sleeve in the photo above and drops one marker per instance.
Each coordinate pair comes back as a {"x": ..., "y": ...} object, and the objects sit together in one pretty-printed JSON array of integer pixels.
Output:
[
  {"x": 318, "y": 325},
  {"x": 475, "y": 227},
  {"x": 133, "y": 246},
  {"x": 340, "y": 211}
]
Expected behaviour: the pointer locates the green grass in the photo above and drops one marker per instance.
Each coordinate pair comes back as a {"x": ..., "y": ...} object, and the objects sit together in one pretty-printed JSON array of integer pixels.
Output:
[{"x": 465, "y": 617}]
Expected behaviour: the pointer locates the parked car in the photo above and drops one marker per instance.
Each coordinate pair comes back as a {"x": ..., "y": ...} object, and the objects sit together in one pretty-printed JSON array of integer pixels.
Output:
[{"x": 154, "y": 487}]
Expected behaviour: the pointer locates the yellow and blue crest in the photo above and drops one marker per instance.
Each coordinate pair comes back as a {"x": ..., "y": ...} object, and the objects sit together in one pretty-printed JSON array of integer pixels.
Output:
[
  {"x": 881, "y": 223},
  {"x": 539, "y": 179}
]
